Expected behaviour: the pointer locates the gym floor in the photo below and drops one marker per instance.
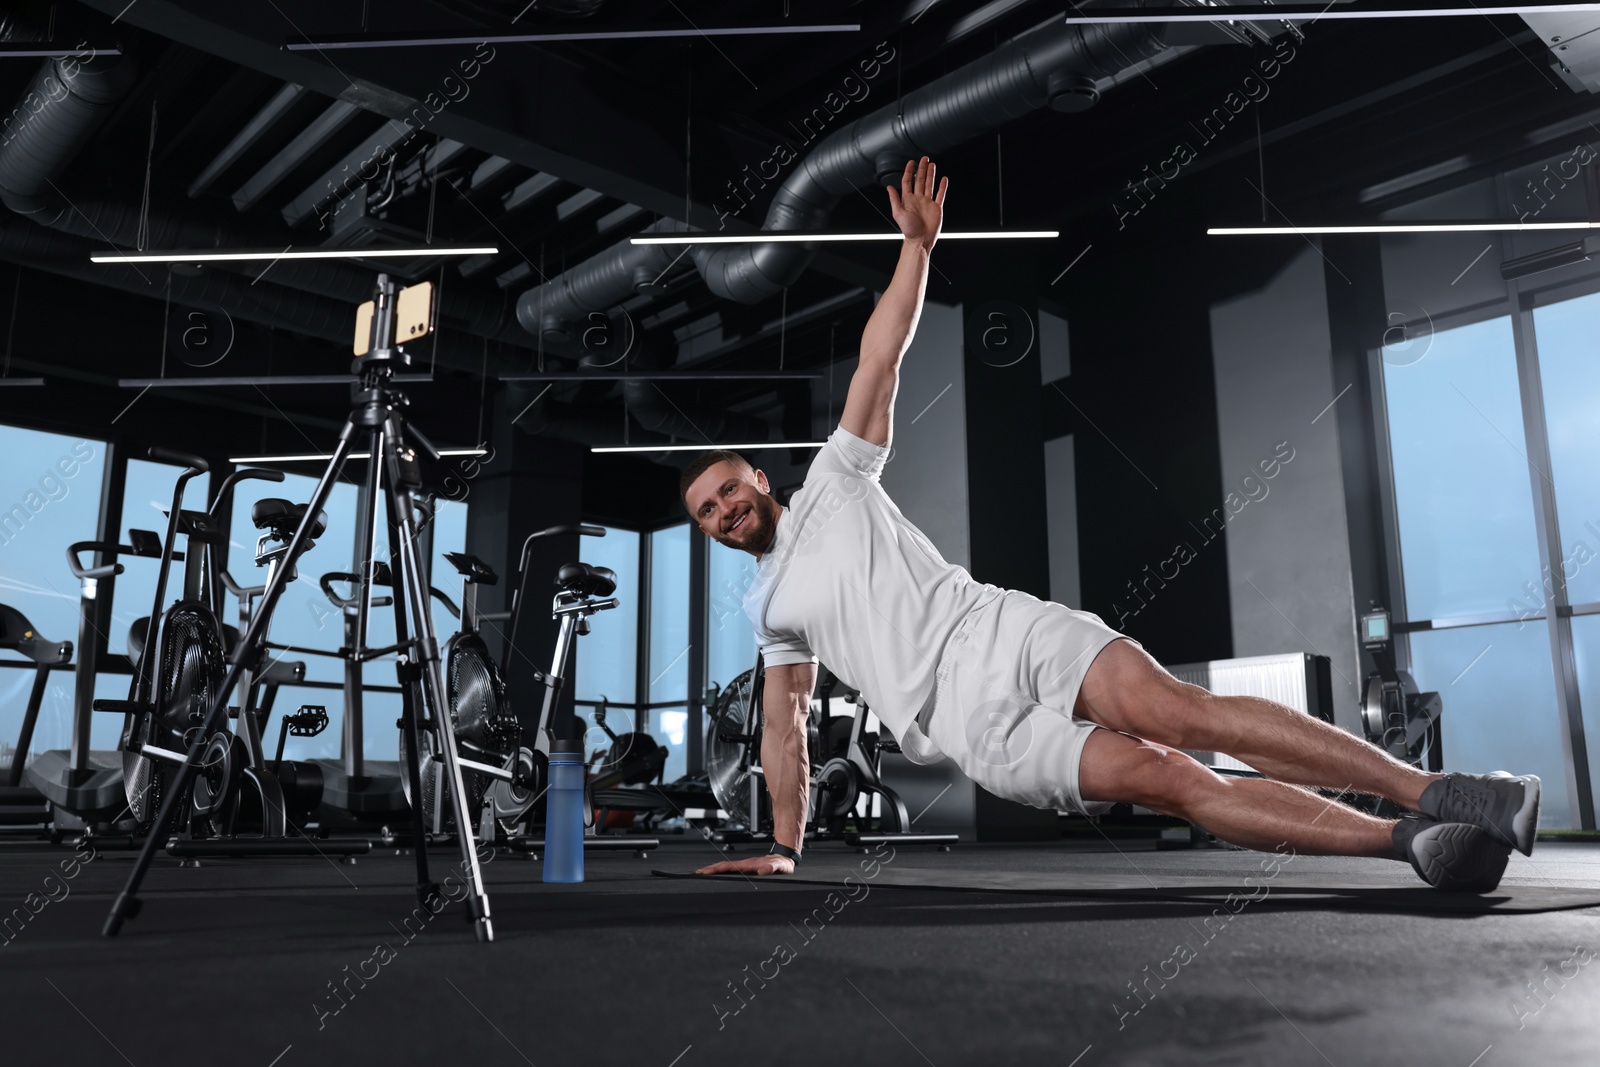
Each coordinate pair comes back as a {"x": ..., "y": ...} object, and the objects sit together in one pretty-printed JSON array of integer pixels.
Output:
[{"x": 634, "y": 968}]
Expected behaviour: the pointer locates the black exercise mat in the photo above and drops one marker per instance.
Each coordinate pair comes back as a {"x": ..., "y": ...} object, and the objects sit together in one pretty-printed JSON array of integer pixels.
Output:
[{"x": 1284, "y": 890}]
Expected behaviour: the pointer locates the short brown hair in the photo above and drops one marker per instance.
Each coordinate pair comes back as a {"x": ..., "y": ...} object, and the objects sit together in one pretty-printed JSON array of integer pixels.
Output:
[{"x": 705, "y": 462}]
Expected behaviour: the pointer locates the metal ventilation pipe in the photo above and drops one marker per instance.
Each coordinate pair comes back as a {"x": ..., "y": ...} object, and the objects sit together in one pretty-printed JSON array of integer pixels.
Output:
[
  {"x": 652, "y": 409},
  {"x": 71, "y": 98},
  {"x": 654, "y": 415},
  {"x": 1054, "y": 67},
  {"x": 55, "y": 117},
  {"x": 571, "y": 422},
  {"x": 262, "y": 303},
  {"x": 561, "y": 308}
]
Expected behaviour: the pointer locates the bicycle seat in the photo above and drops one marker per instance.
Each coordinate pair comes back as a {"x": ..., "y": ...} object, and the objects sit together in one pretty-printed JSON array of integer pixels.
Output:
[
  {"x": 283, "y": 517},
  {"x": 18, "y": 634},
  {"x": 580, "y": 579}
]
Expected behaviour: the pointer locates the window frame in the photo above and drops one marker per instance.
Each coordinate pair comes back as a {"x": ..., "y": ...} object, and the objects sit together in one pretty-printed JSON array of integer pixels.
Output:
[{"x": 1522, "y": 297}]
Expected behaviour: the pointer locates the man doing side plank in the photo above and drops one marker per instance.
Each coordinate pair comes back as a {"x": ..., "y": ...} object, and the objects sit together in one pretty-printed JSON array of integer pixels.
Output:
[{"x": 1035, "y": 701}]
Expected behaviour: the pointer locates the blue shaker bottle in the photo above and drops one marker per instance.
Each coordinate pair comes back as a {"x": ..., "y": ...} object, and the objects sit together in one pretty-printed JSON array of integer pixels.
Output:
[{"x": 563, "y": 823}]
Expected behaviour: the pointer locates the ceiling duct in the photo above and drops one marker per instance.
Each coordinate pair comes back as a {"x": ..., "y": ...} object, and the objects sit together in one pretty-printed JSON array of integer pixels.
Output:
[
  {"x": 509, "y": 12},
  {"x": 570, "y": 422},
  {"x": 652, "y": 412},
  {"x": 24, "y": 22},
  {"x": 652, "y": 408},
  {"x": 262, "y": 303},
  {"x": 1056, "y": 66},
  {"x": 73, "y": 98},
  {"x": 1574, "y": 45}
]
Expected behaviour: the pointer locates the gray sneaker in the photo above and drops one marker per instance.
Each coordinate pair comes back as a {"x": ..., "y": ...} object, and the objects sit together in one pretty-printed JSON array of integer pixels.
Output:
[
  {"x": 1451, "y": 856},
  {"x": 1504, "y": 805}
]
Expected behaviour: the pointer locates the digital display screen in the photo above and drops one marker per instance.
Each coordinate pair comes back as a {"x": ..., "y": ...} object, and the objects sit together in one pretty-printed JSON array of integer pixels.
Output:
[{"x": 1377, "y": 627}]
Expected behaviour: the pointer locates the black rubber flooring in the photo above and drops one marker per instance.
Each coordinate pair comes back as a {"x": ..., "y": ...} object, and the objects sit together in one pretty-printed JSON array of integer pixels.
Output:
[{"x": 288, "y": 962}]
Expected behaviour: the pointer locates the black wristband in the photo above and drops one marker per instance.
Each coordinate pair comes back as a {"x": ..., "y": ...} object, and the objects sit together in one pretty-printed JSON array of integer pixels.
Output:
[{"x": 783, "y": 850}]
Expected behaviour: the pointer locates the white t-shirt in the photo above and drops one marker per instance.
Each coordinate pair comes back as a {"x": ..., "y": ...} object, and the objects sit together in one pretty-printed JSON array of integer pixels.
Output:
[{"x": 849, "y": 579}]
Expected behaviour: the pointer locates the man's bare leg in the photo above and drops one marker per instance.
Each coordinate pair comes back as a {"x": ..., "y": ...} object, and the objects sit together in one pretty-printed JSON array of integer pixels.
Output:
[
  {"x": 1128, "y": 691},
  {"x": 1253, "y": 812}
]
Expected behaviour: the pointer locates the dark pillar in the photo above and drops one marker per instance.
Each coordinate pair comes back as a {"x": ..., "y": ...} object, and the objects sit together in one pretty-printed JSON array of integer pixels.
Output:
[
  {"x": 1007, "y": 520},
  {"x": 1010, "y": 541},
  {"x": 1356, "y": 325},
  {"x": 699, "y": 579},
  {"x": 523, "y": 485}
]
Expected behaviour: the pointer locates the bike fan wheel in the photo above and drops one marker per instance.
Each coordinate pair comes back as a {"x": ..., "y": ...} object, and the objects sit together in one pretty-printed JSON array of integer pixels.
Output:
[
  {"x": 191, "y": 672},
  {"x": 486, "y": 730},
  {"x": 731, "y": 743}
]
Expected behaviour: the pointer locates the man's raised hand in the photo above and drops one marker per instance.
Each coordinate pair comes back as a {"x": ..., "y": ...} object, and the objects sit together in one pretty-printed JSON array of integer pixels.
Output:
[{"x": 917, "y": 211}]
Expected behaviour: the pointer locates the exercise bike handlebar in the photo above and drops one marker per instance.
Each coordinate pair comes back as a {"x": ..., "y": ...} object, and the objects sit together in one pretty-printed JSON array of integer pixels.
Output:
[
  {"x": 182, "y": 459},
  {"x": 555, "y": 531},
  {"x": 240, "y": 475},
  {"x": 522, "y": 569},
  {"x": 380, "y": 577},
  {"x": 327, "y": 580},
  {"x": 106, "y": 571},
  {"x": 240, "y": 591},
  {"x": 449, "y": 605},
  {"x": 592, "y": 531}
]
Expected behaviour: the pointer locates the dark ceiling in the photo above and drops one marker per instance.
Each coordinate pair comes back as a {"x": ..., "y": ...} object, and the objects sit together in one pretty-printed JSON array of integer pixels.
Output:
[{"x": 557, "y": 152}]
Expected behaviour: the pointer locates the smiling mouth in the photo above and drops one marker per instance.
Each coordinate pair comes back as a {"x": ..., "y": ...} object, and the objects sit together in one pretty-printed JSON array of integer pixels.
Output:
[{"x": 740, "y": 523}]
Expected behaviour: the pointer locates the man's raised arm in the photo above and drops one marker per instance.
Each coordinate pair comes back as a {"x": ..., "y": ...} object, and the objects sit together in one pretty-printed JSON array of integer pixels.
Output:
[{"x": 869, "y": 407}]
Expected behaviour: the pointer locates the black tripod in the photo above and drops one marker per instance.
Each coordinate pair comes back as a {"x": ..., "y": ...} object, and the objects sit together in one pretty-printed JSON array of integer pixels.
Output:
[{"x": 375, "y": 415}]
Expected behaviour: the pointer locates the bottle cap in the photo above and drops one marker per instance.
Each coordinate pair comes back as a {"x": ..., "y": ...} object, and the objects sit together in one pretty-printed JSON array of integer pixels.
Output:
[{"x": 563, "y": 746}]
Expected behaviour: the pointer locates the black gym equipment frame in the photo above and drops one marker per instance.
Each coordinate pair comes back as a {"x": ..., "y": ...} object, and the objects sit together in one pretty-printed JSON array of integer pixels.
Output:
[{"x": 376, "y": 413}]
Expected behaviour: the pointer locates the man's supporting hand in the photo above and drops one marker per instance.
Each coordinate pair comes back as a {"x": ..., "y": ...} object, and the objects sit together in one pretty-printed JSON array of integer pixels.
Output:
[
  {"x": 757, "y": 865},
  {"x": 917, "y": 211}
]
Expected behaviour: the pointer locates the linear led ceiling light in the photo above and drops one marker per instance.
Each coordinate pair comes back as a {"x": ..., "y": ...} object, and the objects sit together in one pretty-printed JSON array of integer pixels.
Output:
[
  {"x": 1320, "y": 12},
  {"x": 314, "y": 457},
  {"x": 707, "y": 448},
  {"x": 224, "y": 380},
  {"x": 45, "y": 50},
  {"x": 778, "y": 237},
  {"x": 411, "y": 40},
  {"x": 240, "y": 255},
  {"x": 660, "y": 376},
  {"x": 1399, "y": 227}
]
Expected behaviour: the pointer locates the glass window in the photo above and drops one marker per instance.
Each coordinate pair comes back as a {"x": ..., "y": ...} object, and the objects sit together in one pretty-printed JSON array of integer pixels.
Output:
[
  {"x": 1586, "y": 651},
  {"x": 449, "y": 535},
  {"x": 105, "y": 731},
  {"x": 325, "y": 745},
  {"x": 307, "y": 618},
  {"x": 730, "y": 640},
  {"x": 669, "y": 731},
  {"x": 1499, "y": 704},
  {"x": 50, "y": 490},
  {"x": 146, "y": 499},
  {"x": 606, "y": 658},
  {"x": 304, "y": 616},
  {"x": 1571, "y": 377},
  {"x": 1461, "y": 476},
  {"x": 669, "y": 614},
  {"x": 671, "y": 727}
]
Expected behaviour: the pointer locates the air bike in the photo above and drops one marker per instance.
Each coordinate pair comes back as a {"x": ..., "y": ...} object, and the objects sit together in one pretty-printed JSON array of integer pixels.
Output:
[
  {"x": 506, "y": 778},
  {"x": 376, "y": 421},
  {"x": 849, "y": 800}
]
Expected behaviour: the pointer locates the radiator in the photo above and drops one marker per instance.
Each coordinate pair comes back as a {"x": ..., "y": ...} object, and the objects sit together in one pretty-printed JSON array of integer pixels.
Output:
[{"x": 1296, "y": 679}]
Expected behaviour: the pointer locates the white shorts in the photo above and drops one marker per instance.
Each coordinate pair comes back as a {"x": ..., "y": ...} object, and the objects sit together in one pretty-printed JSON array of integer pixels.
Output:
[{"x": 1005, "y": 689}]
